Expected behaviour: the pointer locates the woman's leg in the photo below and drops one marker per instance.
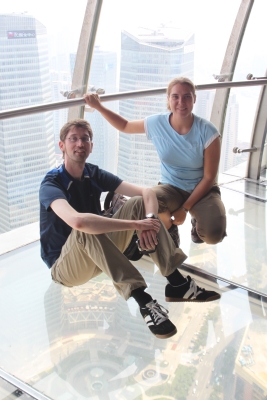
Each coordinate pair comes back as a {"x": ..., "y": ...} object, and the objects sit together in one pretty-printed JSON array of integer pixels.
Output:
[
  {"x": 170, "y": 199},
  {"x": 210, "y": 218}
]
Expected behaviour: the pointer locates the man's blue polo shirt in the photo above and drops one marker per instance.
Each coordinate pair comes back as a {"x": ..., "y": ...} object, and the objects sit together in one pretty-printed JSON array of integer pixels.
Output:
[{"x": 83, "y": 195}]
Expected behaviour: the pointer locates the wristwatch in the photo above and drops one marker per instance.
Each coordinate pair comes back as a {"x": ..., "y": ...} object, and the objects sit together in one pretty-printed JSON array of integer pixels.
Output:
[{"x": 151, "y": 215}]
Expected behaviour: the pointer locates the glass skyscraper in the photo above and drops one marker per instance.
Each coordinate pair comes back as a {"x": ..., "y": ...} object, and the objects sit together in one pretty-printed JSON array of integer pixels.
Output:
[
  {"x": 103, "y": 74},
  {"x": 149, "y": 59},
  {"x": 27, "y": 149}
]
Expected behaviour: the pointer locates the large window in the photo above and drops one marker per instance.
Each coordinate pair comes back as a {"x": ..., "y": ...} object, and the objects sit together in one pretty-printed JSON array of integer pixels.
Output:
[
  {"x": 152, "y": 47},
  {"x": 37, "y": 41},
  {"x": 242, "y": 105}
]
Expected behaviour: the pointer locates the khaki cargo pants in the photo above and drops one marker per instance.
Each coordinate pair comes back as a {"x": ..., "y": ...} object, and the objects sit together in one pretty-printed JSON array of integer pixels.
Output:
[
  {"x": 85, "y": 256},
  {"x": 209, "y": 212}
]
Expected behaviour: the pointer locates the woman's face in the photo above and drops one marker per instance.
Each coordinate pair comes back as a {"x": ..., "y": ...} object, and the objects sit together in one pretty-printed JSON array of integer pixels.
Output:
[{"x": 181, "y": 100}]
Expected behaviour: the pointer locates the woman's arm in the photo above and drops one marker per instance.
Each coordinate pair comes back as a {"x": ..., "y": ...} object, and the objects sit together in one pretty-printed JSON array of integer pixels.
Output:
[
  {"x": 114, "y": 119},
  {"x": 211, "y": 165}
]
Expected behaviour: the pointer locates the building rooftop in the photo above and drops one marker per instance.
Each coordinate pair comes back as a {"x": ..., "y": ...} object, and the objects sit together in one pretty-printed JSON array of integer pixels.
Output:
[{"x": 162, "y": 36}]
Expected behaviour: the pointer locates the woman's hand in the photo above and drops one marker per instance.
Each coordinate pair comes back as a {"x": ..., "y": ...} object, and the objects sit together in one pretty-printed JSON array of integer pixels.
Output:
[
  {"x": 92, "y": 100},
  {"x": 179, "y": 216}
]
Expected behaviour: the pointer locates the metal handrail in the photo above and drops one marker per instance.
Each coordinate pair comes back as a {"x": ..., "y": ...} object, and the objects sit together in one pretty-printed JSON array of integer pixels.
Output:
[
  {"x": 189, "y": 268},
  {"x": 24, "y": 387},
  {"x": 249, "y": 150},
  {"x": 18, "y": 112}
]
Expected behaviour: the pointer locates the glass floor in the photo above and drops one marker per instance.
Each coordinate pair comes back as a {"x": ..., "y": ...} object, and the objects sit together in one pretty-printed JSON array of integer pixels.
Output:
[
  {"x": 88, "y": 343},
  {"x": 10, "y": 392}
]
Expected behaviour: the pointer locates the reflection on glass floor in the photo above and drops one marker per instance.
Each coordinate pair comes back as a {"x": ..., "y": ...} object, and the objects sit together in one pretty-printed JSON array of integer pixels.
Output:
[
  {"x": 251, "y": 189},
  {"x": 242, "y": 256},
  {"x": 88, "y": 343}
]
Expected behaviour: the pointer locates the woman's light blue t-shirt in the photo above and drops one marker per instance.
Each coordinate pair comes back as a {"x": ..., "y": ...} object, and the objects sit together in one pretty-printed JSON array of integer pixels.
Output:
[{"x": 181, "y": 156}]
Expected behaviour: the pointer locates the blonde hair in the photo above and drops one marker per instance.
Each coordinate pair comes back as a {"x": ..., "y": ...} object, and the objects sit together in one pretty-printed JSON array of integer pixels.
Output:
[{"x": 183, "y": 81}]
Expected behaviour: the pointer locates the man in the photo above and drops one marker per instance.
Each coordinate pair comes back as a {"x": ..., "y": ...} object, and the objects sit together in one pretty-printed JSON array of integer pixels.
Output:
[{"x": 77, "y": 243}]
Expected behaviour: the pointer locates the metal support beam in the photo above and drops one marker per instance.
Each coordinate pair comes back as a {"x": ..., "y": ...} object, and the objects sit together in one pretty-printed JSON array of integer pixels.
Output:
[
  {"x": 84, "y": 54},
  {"x": 259, "y": 133},
  {"x": 221, "y": 97}
]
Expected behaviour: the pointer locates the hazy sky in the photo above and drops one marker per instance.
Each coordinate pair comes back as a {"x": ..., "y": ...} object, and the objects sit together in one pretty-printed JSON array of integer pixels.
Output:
[
  {"x": 210, "y": 20},
  {"x": 194, "y": 15}
]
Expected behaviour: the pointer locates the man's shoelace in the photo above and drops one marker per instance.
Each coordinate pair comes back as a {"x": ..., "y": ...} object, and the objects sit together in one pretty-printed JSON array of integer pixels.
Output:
[
  {"x": 196, "y": 289},
  {"x": 158, "y": 312}
]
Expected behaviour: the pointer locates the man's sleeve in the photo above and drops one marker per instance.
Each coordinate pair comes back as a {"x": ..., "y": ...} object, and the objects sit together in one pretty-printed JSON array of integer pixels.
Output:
[
  {"x": 107, "y": 181},
  {"x": 50, "y": 190}
]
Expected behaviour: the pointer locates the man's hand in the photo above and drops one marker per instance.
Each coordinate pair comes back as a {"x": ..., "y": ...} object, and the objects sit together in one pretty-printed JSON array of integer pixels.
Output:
[
  {"x": 147, "y": 234},
  {"x": 148, "y": 240},
  {"x": 147, "y": 225}
]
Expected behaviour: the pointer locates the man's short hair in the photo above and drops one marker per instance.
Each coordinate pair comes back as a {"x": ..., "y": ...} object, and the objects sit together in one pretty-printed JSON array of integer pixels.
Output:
[{"x": 75, "y": 123}]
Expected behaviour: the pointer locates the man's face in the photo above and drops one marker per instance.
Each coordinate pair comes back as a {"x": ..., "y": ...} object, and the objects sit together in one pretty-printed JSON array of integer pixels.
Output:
[{"x": 77, "y": 145}]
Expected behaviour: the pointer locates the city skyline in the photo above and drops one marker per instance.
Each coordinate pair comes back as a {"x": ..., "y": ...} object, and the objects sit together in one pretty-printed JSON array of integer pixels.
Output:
[
  {"x": 59, "y": 52},
  {"x": 207, "y": 63},
  {"x": 27, "y": 142}
]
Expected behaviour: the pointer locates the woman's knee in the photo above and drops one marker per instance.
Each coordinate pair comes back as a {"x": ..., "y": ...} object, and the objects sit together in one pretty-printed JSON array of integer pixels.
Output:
[
  {"x": 215, "y": 236},
  {"x": 169, "y": 197},
  {"x": 212, "y": 233},
  {"x": 166, "y": 219}
]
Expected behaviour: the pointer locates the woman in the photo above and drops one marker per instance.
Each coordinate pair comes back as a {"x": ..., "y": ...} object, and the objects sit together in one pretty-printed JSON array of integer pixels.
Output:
[{"x": 189, "y": 150}]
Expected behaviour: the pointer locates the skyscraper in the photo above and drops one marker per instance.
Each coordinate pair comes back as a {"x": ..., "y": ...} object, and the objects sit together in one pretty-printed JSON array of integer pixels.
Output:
[
  {"x": 150, "y": 58},
  {"x": 204, "y": 102},
  {"x": 26, "y": 143},
  {"x": 60, "y": 83},
  {"x": 61, "y": 78},
  {"x": 103, "y": 75}
]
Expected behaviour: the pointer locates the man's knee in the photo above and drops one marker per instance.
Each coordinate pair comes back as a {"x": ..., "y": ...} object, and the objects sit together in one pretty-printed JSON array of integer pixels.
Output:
[
  {"x": 138, "y": 200},
  {"x": 133, "y": 208}
]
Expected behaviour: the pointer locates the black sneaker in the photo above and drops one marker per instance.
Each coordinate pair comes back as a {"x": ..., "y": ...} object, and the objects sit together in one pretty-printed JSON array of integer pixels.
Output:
[
  {"x": 156, "y": 318},
  {"x": 194, "y": 236},
  {"x": 174, "y": 233},
  {"x": 189, "y": 291}
]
